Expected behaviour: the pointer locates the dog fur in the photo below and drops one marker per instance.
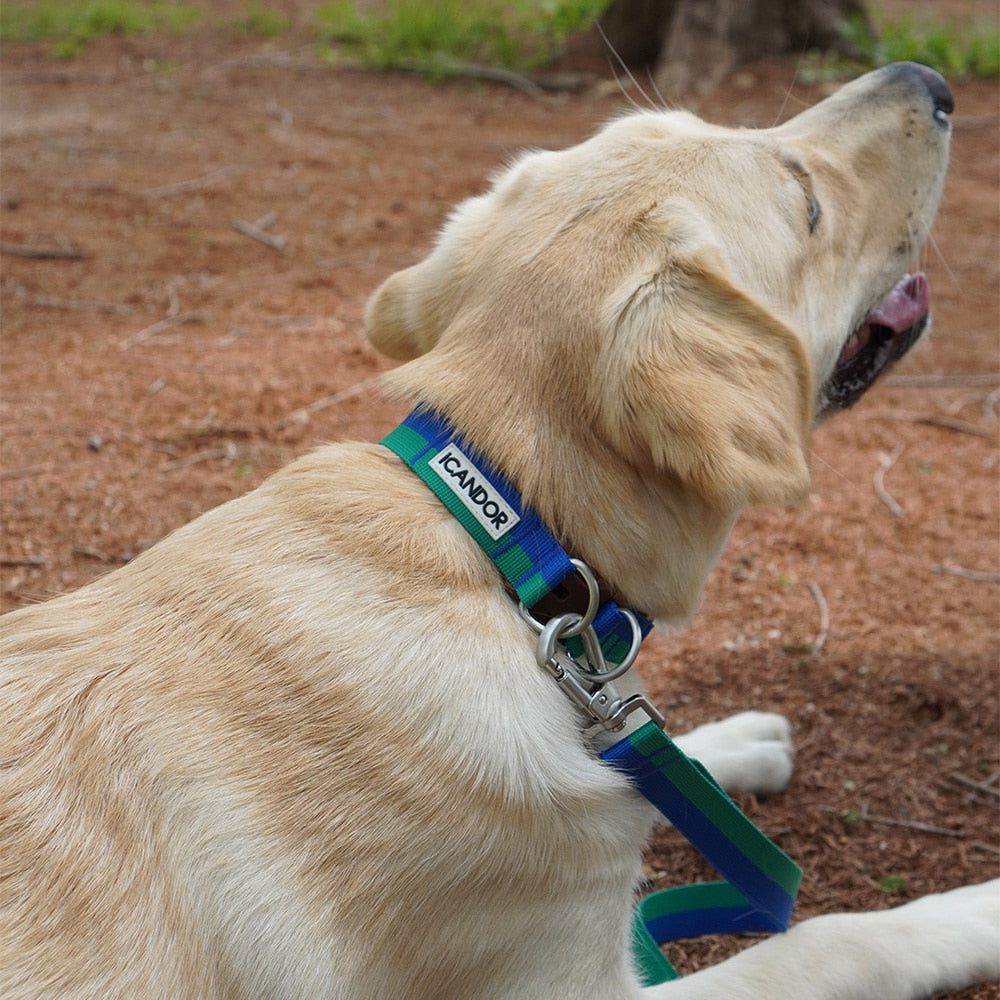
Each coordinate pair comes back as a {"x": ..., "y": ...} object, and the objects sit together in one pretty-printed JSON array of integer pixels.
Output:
[{"x": 301, "y": 747}]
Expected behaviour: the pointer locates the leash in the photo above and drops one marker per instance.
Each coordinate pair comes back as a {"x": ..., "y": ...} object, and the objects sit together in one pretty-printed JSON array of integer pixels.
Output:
[{"x": 585, "y": 653}]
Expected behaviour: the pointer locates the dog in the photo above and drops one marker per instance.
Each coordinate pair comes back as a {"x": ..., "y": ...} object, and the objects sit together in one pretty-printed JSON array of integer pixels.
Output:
[{"x": 302, "y": 747}]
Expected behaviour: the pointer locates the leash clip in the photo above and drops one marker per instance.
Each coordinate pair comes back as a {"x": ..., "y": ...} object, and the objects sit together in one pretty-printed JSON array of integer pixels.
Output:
[{"x": 589, "y": 687}]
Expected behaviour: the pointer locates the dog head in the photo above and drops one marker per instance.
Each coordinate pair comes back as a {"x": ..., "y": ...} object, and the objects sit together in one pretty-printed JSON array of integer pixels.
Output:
[{"x": 689, "y": 298}]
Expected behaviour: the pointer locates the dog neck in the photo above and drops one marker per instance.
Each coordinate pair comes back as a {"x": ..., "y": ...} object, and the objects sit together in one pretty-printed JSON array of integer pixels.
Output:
[{"x": 650, "y": 537}]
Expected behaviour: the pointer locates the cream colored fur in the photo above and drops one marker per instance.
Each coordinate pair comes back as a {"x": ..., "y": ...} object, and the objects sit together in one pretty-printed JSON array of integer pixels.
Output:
[{"x": 301, "y": 747}]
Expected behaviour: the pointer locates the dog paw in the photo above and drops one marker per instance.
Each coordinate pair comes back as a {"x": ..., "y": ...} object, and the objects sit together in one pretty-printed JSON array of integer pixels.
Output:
[
  {"x": 749, "y": 752},
  {"x": 967, "y": 923}
]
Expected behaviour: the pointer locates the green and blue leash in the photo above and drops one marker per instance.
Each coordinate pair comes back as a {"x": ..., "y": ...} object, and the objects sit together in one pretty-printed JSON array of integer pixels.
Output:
[{"x": 761, "y": 881}]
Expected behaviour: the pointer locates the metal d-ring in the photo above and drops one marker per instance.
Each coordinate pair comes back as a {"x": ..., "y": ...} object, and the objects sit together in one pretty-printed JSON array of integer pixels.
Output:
[
  {"x": 550, "y": 635},
  {"x": 582, "y": 622},
  {"x": 594, "y": 653},
  {"x": 556, "y": 628}
]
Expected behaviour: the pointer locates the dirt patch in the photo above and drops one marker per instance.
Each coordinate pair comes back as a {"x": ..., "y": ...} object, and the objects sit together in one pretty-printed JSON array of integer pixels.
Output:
[{"x": 178, "y": 361}]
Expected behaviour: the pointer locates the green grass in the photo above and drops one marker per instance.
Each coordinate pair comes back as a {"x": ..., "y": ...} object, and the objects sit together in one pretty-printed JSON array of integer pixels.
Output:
[
  {"x": 893, "y": 885},
  {"x": 436, "y": 34},
  {"x": 956, "y": 50},
  {"x": 261, "y": 21},
  {"x": 70, "y": 24}
]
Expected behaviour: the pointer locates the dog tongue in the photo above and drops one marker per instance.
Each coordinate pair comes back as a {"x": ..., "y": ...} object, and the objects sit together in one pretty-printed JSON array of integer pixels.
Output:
[{"x": 905, "y": 305}]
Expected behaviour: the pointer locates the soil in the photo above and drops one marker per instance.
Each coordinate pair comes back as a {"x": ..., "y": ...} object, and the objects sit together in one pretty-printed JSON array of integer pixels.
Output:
[{"x": 173, "y": 362}]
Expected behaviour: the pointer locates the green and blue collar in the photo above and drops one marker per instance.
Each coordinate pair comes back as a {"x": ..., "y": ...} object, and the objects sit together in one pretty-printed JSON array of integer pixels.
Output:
[{"x": 761, "y": 880}]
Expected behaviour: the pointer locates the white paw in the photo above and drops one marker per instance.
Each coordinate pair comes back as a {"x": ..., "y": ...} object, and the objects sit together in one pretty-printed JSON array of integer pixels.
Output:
[
  {"x": 749, "y": 752},
  {"x": 967, "y": 920}
]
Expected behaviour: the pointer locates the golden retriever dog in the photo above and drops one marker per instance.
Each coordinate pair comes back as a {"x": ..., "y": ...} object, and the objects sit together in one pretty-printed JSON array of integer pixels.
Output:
[{"x": 302, "y": 747}]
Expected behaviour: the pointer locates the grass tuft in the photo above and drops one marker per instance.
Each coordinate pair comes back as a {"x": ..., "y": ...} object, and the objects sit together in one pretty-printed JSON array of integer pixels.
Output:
[
  {"x": 68, "y": 25},
  {"x": 956, "y": 50},
  {"x": 436, "y": 34},
  {"x": 261, "y": 21}
]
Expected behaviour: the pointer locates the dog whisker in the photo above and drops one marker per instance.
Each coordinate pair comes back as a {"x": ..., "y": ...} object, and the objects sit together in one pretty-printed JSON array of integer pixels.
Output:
[
  {"x": 629, "y": 75},
  {"x": 788, "y": 93},
  {"x": 840, "y": 475},
  {"x": 932, "y": 244}
]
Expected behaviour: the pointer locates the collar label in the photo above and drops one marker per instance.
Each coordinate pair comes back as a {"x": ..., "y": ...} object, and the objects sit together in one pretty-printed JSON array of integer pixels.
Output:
[{"x": 474, "y": 490}]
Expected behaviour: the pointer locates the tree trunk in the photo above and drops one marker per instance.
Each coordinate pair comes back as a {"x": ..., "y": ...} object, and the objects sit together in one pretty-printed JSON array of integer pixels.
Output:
[{"x": 693, "y": 45}]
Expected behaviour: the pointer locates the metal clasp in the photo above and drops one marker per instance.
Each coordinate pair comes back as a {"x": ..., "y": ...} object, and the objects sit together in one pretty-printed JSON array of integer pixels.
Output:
[
  {"x": 601, "y": 704},
  {"x": 586, "y": 679}
]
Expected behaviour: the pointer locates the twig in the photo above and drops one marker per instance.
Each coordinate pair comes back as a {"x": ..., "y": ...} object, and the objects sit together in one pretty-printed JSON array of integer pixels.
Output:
[
  {"x": 938, "y": 831},
  {"x": 30, "y": 470},
  {"x": 194, "y": 184},
  {"x": 256, "y": 233},
  {"x": 302, "y": 414},
  {"x": 824, "y": 616},
  {"x": 984, "y": 787},
  {"x": 886, "y": 462},
  {"x": 472, "y": 71},
  {"x": 158, "y": 327},
  {"x": 74, "y": 305},
  {"x": 267, "y": 220},
  {"x": 209, "y": 455},
  {"x": 990, "y": 405},
  {"x": 967, "y": 574},
  {"x": 34, "y": 561},
  {"x": 303, "y": 320},
  {"x": 95, "y": 554},
  {"x": 941, "y": 381},
  {"x": 948, "y": 423},
  {"x": 275, "y": 110},
  {"x": 41, "y": 253}
]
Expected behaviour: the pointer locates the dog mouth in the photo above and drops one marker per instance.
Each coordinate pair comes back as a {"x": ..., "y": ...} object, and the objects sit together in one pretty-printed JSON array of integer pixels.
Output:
[{"x": 883, "y": 337}]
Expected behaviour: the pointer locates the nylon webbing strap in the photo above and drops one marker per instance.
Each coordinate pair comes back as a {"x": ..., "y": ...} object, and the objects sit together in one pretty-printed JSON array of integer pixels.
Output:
[
  {"x": 762, "y": 879},
  {"x": 492, "y": 512}
]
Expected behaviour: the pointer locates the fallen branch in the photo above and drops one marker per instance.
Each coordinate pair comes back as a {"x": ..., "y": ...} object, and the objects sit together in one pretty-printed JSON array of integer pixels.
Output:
[
  {"x": 158, "y": 327},
  {"x": 33, "y": 561},
  {"x": 941, "y": 381},
  {"x": 990, "y": 405},
  {"x": 275, "y": 110},
  {"x": 228, "y": 450},
  {"x": 302, "y": 414},
  {"x": 194, "y": 184},
  {"x": 74, "y": 305},
  {"x": 988, "y": 848},
  {"x": 933, "y": 420},
  {"x": 938, "y": 831},
  {"x": 25, "y": 473},
  {"x": 983, "y": 787},
  {"x": 886, "y": 462},
  {"x": 824, "y": 616},
  {"x": 967, "y": 574},
  {"x": 95, "y": 554},
  {"x": 905, "y": 824},
  {"x": 41, "y": 253},
  {"x": 255, "y": 232}
]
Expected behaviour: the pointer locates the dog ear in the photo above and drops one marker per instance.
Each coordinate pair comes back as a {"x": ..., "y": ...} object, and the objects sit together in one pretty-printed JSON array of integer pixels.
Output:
[
  {"x": 409, "y": 311},
  {"x": 708, "y": 383},
  {"x": 400, "y": 318}
]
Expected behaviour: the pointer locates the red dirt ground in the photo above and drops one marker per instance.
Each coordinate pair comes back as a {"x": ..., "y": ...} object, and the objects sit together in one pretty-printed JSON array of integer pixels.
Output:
[{"x": 178, "y": 362}]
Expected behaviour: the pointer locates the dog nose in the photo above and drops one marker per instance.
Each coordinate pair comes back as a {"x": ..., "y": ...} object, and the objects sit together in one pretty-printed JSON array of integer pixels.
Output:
[{"x": 933, "y": 83}]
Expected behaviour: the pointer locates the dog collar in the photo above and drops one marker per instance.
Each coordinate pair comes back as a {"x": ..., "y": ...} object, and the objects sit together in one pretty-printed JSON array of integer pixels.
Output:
[
  {"x": 761, "y": 879},
  {"x": 531, "y": 560}
]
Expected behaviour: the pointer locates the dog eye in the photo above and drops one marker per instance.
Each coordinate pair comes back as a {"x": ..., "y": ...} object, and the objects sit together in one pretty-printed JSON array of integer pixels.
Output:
[
  {"x": 799, "y": 172},
  {"x": 813, "y": 212}
]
